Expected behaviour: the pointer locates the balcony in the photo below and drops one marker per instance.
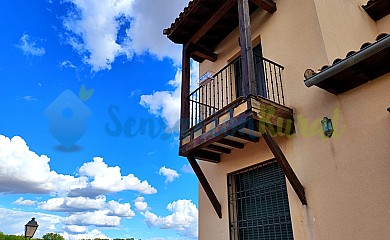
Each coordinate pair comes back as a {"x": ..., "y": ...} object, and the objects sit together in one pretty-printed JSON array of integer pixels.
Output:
[{"x": 221, "y": 119}]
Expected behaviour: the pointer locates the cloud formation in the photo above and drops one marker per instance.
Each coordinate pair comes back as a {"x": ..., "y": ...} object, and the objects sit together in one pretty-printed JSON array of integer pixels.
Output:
[
  {"x": 100, "y": 218},
  {"x": 166, "y": 104},
  {"x": 75, "y": 229},
  {"x": 109, "y": 179},
  {"x": 75, "y": 204},
  {"x": 24, "y": 202},
  {"x": 93, "y": 30},
  {"x": 168, "y": 173},
  {"x": 184, "y": 218},
  {"x": 140, "y": 204},
  {"x": 29, "y": 46},
  {"x": 24, "y": 171},
  {"x": 101, "y": 31}
]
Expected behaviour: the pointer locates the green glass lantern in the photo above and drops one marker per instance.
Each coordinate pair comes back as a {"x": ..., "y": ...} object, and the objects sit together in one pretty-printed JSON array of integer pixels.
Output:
[{"x": 327, "y": 127}]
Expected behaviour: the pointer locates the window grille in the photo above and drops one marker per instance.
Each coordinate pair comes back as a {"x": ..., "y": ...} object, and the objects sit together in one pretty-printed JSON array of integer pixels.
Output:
[{"x": 258, "y": 203}]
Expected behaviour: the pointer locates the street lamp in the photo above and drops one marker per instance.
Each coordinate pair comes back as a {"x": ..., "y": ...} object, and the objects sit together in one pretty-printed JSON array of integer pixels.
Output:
[{"x": 31, "y": 227}]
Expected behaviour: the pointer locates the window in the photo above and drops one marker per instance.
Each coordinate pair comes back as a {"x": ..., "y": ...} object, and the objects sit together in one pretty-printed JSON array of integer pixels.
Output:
[
  {"x": 258, "y": 203},
  {"x": 259, "y": 73}
]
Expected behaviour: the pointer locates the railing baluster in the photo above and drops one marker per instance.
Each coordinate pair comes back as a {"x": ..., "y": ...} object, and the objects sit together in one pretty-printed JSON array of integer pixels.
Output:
[
  {"x": 214, "y": 94},
  {"x": 231, "y": 82},
  {"x": 209, "y": 103},
  {"x": 217, "y": 92},
  {"x": 266, "y": 77},
  {"x": 222, "y": 103},
  {"x": 227, "y": 89},
  {"x": 195, "y": 105},
  {"x": 276, "y": 83},
  {"x": 281, "y": 84},
  {"x": 272, "y": 82}
]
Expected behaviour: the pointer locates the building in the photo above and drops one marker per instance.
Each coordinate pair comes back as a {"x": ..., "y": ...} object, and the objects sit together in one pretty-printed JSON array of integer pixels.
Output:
[{"x": 271, "y": 166}]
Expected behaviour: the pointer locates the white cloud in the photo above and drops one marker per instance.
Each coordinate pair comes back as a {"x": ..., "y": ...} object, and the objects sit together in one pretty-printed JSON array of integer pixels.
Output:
[
  {"x": 94, "y": 26},
  {"x": 184, "y": 218},
  {"x": 67, "y": 64},
  {"x": 28, "y": 46},
  {"x": 168, "y": 173},
  {"x": 24, "y": 202},
  {"x": 186, "y": 168},
  {"x": 150, "y": 18},
  {"x": 75, "y": 229},
  {"x": 24, "y": 171},
  {"x": 87, "y": 235},
  {"x": 73, "y": 204},
  {"x": 166, "y": 104},
  {"x": 100, "y": 31},
  {"x": 140, "y": 204},
  {"x": 120, "y": 210},
  {"x": 29, "y": 98},
  {"x": 100, "y": 218},
  {"x": 83, "y": 204},
  {"x": 109, "y": 179}
]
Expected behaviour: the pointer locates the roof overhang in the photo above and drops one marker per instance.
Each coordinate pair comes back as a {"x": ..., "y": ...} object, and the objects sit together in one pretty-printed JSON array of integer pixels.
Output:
[
  {"x": 371, "y": 62},
  {"x": 377, "y": 9},
  {"x": 205, "y": 23}
]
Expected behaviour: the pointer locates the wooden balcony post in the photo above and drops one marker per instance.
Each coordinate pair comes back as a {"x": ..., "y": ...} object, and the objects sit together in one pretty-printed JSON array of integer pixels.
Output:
[
  {"x": 248, "y": 68},
  {"x": 185, "y": 91}
]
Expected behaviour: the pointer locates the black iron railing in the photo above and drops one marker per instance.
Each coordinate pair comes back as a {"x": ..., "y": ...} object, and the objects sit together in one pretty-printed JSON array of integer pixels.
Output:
[{"x": 224, "y": 87}]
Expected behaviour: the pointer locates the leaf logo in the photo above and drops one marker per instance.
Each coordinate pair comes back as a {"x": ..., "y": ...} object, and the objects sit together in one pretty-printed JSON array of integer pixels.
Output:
[{"x": 85, "y": 94}]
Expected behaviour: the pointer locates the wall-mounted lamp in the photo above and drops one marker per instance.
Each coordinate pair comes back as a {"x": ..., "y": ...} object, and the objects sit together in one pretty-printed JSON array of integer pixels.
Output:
[{"x": 327, "y": 127}]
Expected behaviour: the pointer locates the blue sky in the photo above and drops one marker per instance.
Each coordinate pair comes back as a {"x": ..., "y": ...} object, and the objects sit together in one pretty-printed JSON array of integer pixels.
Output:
[{"x": 88, "y": 120}]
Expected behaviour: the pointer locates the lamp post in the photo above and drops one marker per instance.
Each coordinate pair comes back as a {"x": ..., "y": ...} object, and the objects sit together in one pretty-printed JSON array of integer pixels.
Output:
[{"x": 30, "y": 229}]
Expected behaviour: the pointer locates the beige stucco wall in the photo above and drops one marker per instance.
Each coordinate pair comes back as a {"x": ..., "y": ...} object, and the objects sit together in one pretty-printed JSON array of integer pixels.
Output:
[
  {"x": 384, "y": 24},
  {"x": 346, "y": 177}
]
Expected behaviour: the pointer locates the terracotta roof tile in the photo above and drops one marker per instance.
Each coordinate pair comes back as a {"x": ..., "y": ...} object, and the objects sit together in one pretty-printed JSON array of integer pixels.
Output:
[
  {"x": 350, "y": 53},
  {"x": 184, "y": 13}
]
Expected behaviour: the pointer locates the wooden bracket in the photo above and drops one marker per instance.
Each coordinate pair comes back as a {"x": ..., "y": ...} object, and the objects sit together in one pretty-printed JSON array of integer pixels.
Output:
[
  {"x": 202, "y": 53},
  {"x": 283, "y": 163},
  {"x": 205, "y": 184},
  {"x": 267, "y": 5}
]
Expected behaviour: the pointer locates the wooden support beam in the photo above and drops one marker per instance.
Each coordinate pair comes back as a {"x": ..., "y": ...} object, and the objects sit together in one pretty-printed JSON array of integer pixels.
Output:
[
  {"x": 267, "y": 5},
  {"x": 206, "y": 186},
  {"x": 202, "y": 52},
  {"x": 207, "y": 156},
  {"x": 212, "y": 21},
  {"x": 185, "y": 91},
  {"x": 283, "y": 163},
  {"x": 231, "y": 143},
  {"x": 197, "y": 58},
  {"x": 218, "y": 149},
  {"x": 247, "y": 63},
  {"x": 245, "y": 136}
]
